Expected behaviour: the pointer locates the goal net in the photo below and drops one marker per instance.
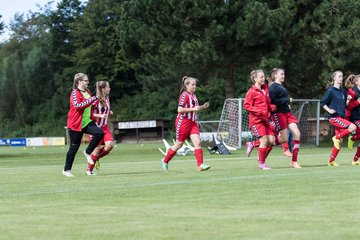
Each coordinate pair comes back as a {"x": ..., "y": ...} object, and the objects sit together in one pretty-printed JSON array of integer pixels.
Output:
[{"x": 234, "y": 122}]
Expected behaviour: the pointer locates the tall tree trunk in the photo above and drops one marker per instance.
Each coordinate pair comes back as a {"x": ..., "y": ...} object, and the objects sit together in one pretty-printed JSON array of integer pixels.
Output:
[{"x": 229, "y": 81}]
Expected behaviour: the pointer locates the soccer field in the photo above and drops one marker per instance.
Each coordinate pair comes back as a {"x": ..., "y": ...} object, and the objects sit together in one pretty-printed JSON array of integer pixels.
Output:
[{"x": 131, "y": 198}]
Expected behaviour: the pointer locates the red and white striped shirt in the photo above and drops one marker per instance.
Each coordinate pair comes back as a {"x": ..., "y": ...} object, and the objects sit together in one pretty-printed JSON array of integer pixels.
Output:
[
  {"x": 99, "y": 109},
  {"x": 188, "y": 100}
]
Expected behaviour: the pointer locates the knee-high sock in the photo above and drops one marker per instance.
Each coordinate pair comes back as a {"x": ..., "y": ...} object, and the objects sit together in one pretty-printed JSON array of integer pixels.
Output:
[
  {"x": 296, "y": 148},
  {"x": 285, "y": 146},
  {"x": 199, "y": 156},
  {"x": 261, "y": 155},
  {"x": 170, "y": 154},
  {"x": 103, "y": 152},
  {"x": 277, "y": 141},
  {"x": 268, "y": 150},
  {"x": 334, "y": 154},
  {"x": 357, "y": 154},
  {"x": 342, "y": 134}
]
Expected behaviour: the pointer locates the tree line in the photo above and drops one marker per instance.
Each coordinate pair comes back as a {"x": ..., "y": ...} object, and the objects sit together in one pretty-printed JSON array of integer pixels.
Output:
[{"x": 144, "y": 47}]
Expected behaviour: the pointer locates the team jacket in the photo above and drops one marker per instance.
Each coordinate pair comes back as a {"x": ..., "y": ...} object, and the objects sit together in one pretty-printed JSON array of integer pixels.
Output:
[
  {"x": 257, "y": 103},
  {"x": 280, "y": 97},
  {"x": 354, "y": 106},
  {"x": 335, "y": 99},
  {"x": 77, "y": 105}
]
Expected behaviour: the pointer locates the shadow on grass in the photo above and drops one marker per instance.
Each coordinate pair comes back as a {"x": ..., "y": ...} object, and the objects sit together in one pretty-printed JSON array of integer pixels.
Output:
[{"x": 15, "y": 155}]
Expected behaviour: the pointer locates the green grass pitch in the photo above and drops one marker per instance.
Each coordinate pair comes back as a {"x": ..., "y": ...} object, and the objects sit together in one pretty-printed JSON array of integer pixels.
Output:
[{"x": 131, "y": 198}]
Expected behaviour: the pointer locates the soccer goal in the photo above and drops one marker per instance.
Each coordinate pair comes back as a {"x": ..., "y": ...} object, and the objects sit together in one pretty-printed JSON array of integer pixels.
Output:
[{"x": 234, "y": 122}]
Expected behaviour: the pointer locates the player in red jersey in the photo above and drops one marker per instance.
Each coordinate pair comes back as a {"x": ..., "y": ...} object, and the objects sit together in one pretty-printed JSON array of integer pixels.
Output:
[
  {"x": 80, "y": 121},
  {"x": 257, "y": 103},
  {"x": 353, "y": 107},
  {"x": 101, "y": 110},
  {"x": 186, "y": 123}
]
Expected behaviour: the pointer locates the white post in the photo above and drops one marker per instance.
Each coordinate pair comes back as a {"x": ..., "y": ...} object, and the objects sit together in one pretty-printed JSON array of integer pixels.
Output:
[{"x": 240, "y": 122}]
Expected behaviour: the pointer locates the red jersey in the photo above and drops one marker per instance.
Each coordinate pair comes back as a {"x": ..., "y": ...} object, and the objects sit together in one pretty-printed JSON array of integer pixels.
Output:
[
  {"x": 97, "y": 108},
  {"x": 78, "y": 103},
  {"x": 258, "y": 104},
  {"x": 188, "y": 100}
]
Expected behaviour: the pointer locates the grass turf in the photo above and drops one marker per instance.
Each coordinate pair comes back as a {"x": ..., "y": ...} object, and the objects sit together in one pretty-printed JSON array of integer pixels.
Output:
[{"x": 131, "y": 198}]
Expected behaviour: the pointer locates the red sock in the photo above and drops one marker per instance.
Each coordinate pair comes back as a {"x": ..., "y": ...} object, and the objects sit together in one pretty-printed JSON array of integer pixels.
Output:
[
  {"x": 170, "y": 154},
  {"x": 94, "y": 158},
  {"x": 276, "y": 142},
  {"x": 103, "y": 152},
  {"x": 256, "y": 143},
  {"x": 285, "y": 146},
  {"x": 91, "y": 167},
  {"x": 342, "y": 134},
  {"x": 334, "y": 154},
  {"x": 268, "y": 150},
  {"x": 262, "y": 155},
  {"x": 357, "y": 154},
  {"x": 296, "y": 148},
  {"x": 199, "y": 156}
]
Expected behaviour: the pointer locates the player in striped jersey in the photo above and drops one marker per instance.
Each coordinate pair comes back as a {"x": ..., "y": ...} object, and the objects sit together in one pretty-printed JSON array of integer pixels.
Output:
[
  {"x": 186, "y": 123},
  {"x": 101, "y": 111}
]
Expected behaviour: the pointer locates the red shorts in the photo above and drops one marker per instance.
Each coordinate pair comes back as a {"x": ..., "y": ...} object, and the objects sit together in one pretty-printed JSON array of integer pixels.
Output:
[
  {"x": 340, "y": 124},
  {"x": 106, "y": 138},
  {"x": 261, "y": 129},
  {"x": 282, "y": 120},
  {"x": 184, "y": 128}
]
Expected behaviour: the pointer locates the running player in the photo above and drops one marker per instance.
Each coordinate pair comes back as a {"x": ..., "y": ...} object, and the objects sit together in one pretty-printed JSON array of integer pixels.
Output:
[
  {"x": 283, "y": 117},
  {"x": 257, "y": 103},
  {"x": 186, "y": 123},
  {"x": 80, "y": 121},
  {"x": 334, "y": 102},
  {"x": 101, "y": 110}
]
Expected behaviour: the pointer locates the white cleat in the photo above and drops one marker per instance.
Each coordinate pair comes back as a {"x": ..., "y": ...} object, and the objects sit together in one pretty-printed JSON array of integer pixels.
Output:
[{"x": 67, "y": 173}]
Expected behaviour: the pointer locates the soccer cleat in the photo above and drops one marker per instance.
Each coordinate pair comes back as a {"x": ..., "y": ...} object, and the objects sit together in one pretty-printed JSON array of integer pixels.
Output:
[
  {"x": 263, "y": 166},
  {"x": 88, "y": 158},
  {"x": 97, "y": 165},
  {"x": 350, "y": 142},
  {"x": 203, "y": 167},
  {"x": 333, "y": 164},
  {"x": 287, "y": 153},
  {"x": 89, "y": 173},
  {"x": 295, "y": 165},
  {"x": 67, "y": 173},
  {"x": 355, "y": 163},
  {"x": 165, "y": 166},
  {"x": 249, "y": 148},
  {"x": 336, "y": 142}
]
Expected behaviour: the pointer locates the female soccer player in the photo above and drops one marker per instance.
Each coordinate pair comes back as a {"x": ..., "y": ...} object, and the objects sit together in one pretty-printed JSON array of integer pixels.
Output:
[
  {"x": 101, "y": 110},
  {"x": 334, "y": 102},
  {"x": 283, "y": 117},
  {"x": 186, "y": 123},
  {"x": 354, "y": 112},
  {"x": 257, "y": 103},
  {"x": 79, "y": 122}
]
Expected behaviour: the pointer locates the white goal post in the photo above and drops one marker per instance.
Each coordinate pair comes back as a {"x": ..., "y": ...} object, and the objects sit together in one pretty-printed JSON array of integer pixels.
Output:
[{"x": 234, "y": 127}]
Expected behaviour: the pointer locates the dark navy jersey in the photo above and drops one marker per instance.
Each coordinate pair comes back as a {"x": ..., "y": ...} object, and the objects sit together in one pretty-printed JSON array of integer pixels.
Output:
[
  {"x": 335, "y": 98},
  {"x": 280, "y": 97}
]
